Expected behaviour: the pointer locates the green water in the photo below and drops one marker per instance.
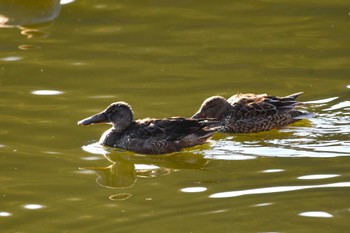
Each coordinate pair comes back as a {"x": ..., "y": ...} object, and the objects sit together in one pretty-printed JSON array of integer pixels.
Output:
[{"x": 62, "y": 63}]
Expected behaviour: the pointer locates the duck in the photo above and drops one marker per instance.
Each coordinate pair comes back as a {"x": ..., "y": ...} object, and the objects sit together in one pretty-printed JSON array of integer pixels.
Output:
[
  {"x": 252, "y": 113},
  {"x": 149, "y": 135}
]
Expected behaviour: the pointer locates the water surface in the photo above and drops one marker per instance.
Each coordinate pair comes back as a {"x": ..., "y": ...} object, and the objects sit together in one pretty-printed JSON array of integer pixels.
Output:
[{"x": 63, "y": 61}]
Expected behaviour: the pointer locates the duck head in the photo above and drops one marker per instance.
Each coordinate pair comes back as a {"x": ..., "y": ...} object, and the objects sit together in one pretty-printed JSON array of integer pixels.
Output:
[
  {"x": 213, "y": 107},
  {"x": 119, "y": 114}
]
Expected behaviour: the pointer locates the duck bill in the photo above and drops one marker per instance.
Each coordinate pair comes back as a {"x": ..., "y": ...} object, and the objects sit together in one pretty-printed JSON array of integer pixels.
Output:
[
  {"x": 198, "y": 115},
  {"x": 95, "y": 119}
]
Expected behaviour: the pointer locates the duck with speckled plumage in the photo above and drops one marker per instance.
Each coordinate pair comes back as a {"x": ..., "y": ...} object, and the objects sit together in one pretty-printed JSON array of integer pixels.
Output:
[
  {"x": 150, "y": 136},
  {"x": 251, "y": 113}
]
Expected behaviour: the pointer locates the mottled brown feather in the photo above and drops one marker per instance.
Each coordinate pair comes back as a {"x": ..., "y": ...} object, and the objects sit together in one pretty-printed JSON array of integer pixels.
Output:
[{"x": 248, "y": 113}]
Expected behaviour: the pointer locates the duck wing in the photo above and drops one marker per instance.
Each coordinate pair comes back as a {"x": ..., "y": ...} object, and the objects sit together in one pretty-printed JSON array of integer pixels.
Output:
[
  {"x": 157, "y": 136},
  {"x": 172, "y": 129}
]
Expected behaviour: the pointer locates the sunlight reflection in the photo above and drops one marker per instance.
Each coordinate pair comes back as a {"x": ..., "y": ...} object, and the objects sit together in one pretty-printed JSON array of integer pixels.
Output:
[
  {"x": 87, "y": 172},
  {"x": 47, "y": 92},
  {"x": 193, "y": 189},
  {"x": 3, "y": 20},
  {"x": 33, "y": 206},
  {"x": 272, "y": 170},
  {"x": 91, "y": 158},
  {"x": 146, "y": 167},
  {"x": 278, "y": 189},
  {"x": 336, "y": 149},
  {"x": 5, "y": 214},
  {"x": 321, "y": 101},
  {"x": 28, "y": 47},
  {"x": 120, "y": 197},
  {"x": 53, "y": 152},
  {"x": 263, "y": 204},
  {"x": 95, "y": 148},
  {"x": 229, "y": 157},
  {"x": 318, "y": 176},
  {"x": 11, "y": 58},
  {"x": 271, "y": 151},
  {"x": 62, "y": 2},
  {"x": 338, "y": 106},
  {"x": 226, "y": 150},
  {"x": 214, "y": 212},
  {"x": 317, "y": 214}
]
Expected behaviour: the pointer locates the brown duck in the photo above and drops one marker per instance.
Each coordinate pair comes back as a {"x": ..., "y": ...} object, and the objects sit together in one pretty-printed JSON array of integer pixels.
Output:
[
  {"x": 150, "y": 136},
  {"x": 249, "y": 113}
]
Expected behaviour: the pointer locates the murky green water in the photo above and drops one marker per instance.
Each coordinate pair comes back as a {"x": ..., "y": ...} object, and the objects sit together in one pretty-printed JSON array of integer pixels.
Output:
[{"x": 164, "y": 58}]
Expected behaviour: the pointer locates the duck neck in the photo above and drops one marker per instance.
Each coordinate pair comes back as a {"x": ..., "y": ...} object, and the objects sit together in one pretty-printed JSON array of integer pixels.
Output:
[
  {"x": 121, "y": 126},
  {"x": 221, "y": 112}
]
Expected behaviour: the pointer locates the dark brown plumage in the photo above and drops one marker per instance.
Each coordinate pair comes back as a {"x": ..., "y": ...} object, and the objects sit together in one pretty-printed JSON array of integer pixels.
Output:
[
  {"x": 150, "y": 136},
  {"x": 249, "y": 113}
]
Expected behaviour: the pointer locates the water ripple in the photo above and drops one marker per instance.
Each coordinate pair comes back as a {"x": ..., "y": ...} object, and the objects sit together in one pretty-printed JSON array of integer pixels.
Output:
[
  {"x": 278, "y": 189},
  {"x": 338, "y": 106}
]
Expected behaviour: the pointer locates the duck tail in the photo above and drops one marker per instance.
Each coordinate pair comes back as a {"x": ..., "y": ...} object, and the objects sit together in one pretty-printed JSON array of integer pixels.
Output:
[
  {"x": 295, "y": 95},
  {"x": 286, "y": 103}
]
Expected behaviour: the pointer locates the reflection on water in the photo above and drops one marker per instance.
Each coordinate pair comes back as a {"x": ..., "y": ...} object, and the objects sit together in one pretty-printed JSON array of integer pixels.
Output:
[
  {"x": 5, "y": 214},
  {"x": 316, "y": 214},
  {"x": 165, "y": 57},
  {"x": 279, "y": 189},
  {"x": 33, "y": 206},
  {"x": 120, "y": 197},
  {"x": 272, "y": 170},
  {"x": 47, "y": 92},
  {"x": 317, "y": 176},
  {"x": 32, "y": 17},
  {"x": 193, "y": 189},
  {"x": 126, "y": 167},
  {"x": 11, "y": 58},
  {"x": 341, "y": 105},
  {"x": 120, "y": 174},
  {"x": 18, "y": 13}
]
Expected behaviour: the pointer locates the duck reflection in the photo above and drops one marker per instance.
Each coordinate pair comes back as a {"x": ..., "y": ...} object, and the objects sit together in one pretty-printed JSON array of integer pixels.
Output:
[
  {"x": 120, "y": 174},
  {"x": 127, "y": 167},
  {"x": 30, "y": 16}
]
